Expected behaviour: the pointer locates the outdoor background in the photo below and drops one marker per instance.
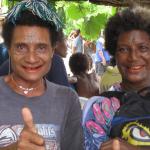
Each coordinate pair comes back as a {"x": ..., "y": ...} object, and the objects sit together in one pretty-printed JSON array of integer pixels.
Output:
[{"x": 89, "y": 18}]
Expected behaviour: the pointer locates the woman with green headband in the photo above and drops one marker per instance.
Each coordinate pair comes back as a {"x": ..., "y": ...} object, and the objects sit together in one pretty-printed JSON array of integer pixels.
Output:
[{"x": 51, "y": 114}]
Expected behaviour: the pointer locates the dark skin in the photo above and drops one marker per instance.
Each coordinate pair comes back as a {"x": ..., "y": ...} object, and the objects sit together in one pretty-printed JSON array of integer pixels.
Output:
[
  {"x": 118, "y": 144},
  {"x": 29, "y": 138},
  {"x": 31, "y": 53},
  {"x": 133, "y": 61},
  {"x": 87, "y": 85}
]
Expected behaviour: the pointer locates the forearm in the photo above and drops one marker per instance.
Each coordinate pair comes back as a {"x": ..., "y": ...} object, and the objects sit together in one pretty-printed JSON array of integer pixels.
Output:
[
  {"x": 102, "y": 57},
  {"x": 10, "y": 147},
  {"x": 73, "y": 50}
]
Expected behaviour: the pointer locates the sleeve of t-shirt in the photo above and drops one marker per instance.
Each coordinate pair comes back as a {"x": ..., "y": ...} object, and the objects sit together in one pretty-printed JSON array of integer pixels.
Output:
[{"x": 73, "y": 134}]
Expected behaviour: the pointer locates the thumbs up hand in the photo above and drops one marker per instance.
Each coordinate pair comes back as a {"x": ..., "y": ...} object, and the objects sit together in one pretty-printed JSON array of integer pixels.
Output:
[
  {"x": 29, "y": 138},
  {"x": 28, "y": 119}
]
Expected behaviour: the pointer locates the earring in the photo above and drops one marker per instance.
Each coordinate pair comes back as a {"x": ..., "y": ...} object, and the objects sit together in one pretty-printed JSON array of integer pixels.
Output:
[{"x": 9, "y": 69}]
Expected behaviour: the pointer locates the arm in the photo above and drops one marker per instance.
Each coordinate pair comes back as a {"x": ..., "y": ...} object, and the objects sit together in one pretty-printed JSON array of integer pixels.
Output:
[{"x": 102, "y": 57}]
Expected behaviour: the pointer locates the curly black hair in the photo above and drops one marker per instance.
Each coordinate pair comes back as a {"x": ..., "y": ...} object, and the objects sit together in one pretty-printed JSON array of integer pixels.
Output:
[
  {"x": 29, "y": 19},
  {"x": 136, "y": 18},
  {"x": 78, "y": 63}
]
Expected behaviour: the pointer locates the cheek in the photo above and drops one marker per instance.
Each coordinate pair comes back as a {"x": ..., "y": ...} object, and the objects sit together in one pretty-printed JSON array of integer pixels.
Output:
[
  {"x": 15, "y": 60},
  {"x": 121, "y": 63},
  {"x": 121, "y": 59},
  {"x": 47, "y": 67},
  {"x": 48, "y": 61}
]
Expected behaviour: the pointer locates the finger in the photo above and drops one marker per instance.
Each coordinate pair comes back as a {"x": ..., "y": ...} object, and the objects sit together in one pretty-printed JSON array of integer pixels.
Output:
[
  {"x": 28, "y": 119},
  {"x": 116, "y": 144},
  {"x": 29, "y": 146},
  {"x": 30, "y": 137},
  {"x": 107, "y": 145}
]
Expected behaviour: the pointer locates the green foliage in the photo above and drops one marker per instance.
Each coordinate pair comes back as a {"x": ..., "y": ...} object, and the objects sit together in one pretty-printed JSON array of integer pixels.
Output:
[
  {"x": 90, "y": 18},
  {"x": 92, "y": 27},
  {"x": 75, "y": 11}
]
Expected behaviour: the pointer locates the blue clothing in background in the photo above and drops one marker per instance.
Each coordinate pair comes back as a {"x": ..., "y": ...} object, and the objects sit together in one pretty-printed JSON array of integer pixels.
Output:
[
  {"x": 99, "y": 47},
  {"x": 106, "y": 55},
  {"x": 3, "y": 53},
  {"x": 57, "y": 73}
]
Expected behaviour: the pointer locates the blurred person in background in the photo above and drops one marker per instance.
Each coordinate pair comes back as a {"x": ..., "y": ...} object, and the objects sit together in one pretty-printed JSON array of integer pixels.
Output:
[
  {"x": 102, "y": 57},
  {"x": 86, "y": 84},
  {"x": 77, "y": 46}
]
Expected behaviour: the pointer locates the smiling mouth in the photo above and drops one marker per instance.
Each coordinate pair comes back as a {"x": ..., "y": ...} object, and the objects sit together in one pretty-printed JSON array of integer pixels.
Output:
[
  {"x": 32, "y": 69},
  {"x": 135, "y": 69}
]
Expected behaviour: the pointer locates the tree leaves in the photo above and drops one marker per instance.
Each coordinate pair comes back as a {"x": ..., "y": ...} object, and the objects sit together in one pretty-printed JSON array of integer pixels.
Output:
[
  {"x": 93, "y": 26},
  {"x": 90, "y": 18}
]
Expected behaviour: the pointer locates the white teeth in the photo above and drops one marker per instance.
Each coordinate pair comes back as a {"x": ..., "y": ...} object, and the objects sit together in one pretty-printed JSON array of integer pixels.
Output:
[
  {"x": 30, "y": 68},
  {"x": 136, "y": 67}
]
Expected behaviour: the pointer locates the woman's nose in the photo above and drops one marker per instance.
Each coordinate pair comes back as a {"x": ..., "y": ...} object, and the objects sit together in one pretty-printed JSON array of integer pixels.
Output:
[
  {"x": 31, "y": 57},
  {"x": 134, "y": 53}
]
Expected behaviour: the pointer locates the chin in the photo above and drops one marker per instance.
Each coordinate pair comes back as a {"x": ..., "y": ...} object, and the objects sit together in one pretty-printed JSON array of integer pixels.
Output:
[
  {"x": 32, "y": 78},
  {"x": 134, "y": 79}
]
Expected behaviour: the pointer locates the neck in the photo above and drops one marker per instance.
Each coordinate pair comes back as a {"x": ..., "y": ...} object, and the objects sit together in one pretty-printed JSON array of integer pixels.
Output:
[
  {"x": 135, "y": 87},
  {"x": 24, "y": 89}
]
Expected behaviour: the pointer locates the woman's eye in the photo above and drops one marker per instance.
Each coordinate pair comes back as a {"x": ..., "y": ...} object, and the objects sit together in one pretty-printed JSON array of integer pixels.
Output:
[
  {"x": 20, "y": 49},
  {"x": 122, "y": 50},
  {"x": 42, "y": 49},
  {"x": 144, "y": 48}
]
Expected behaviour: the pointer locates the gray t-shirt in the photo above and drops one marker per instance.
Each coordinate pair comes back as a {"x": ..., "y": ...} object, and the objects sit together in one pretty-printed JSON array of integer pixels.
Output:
[{"x": 56, "y": 113}]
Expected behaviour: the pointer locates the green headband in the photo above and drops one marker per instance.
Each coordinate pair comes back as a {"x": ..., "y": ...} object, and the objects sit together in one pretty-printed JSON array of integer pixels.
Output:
[{"x": 37, "y": 7}]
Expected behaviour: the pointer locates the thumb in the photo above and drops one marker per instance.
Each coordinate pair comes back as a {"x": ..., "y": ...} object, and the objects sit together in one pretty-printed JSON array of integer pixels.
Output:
[
  {"x": 116, "y": 144},
  {"x": 28, "y": 119}
]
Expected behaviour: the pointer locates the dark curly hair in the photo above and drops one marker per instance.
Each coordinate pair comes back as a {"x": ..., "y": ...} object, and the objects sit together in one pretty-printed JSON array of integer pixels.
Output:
[
  {"x": 29, "y": 19},
  {"x": 78, "y": 63},
  {"x": 136, "y": 18}
]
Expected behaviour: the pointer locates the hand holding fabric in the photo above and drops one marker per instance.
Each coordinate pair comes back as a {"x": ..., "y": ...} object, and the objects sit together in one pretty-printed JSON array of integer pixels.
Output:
[{"x": 117, "y": 144}]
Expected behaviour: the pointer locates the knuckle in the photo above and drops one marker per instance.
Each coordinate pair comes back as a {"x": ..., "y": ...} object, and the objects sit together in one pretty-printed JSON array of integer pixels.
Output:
[
  {"x": 20, "y": 145},
  {"x": 23, "y": 134}
]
